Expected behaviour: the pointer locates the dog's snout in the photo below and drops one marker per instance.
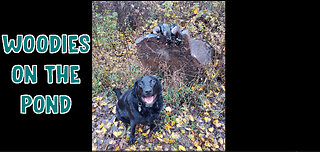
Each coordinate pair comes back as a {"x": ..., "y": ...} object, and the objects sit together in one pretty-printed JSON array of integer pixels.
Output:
[{"x": 148, "y": 91}]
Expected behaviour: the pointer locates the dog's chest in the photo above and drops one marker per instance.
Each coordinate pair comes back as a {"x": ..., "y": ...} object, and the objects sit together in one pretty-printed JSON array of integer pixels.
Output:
[{"x": 147, "y": 116}]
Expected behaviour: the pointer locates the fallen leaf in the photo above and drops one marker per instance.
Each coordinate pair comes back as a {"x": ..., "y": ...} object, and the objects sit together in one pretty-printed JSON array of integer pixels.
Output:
[
  {"x": 182, "y": 131},
  {"x": 117, "y": 134},
  {"x": 167, "y": 127},
  {"x": 108, "y": 125},
  {"x": 191, "y": 117},
  {"x": 111, "y": 142},
  {"x": 207, "y": 119},
  {"x": 207, "y": 144},
  {"x": 181, "y": 148},
  {"x": 104, "y": 130},
  {"x": 101, "y": 125},
  {"x": 145, "y": 134},
  {"x": 211, "y": 129},
  {"x": 191, "y": 137},
  {"x": 133, "y": 147},
  {"x": 114, "y": 110},
  {"x": 172, "y": 123},
  {"x": 166, "y": 140},
  {"x": 168, "y": 109},
  {"x": 158, "y": 148},
  {"x": 110, "y": 106},
  {"x": 199, "y": 148},
  {"x": 195, "y": 11},
  {"x": 115, "y": 148},
  {"x": 174, "y": 135},
  {"x": 220, "y": 141}
]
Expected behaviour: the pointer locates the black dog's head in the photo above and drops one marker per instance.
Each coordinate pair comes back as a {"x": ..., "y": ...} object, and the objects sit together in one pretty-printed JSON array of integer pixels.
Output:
[{"x": 147, "y": 89}]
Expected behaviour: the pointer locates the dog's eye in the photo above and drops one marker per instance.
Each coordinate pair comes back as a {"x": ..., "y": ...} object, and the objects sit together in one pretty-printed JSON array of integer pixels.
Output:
[
  {"x": 140, "y": 84},
  {"x": 152, "y": 81}
]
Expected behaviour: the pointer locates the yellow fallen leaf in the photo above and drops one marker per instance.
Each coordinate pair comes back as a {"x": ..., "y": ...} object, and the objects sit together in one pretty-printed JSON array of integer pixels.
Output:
[
  {"x": 159, "y": 139},
  {"x": 93, "y": 117},
  {"x": 110, "y": 106},
  {"x": 216, "y": 63},
  {"x": 116, "y": 123},
  {"x": 95, "y": 104},
  {"x": 167, "y": 126},
  {"x": 218, "y": 124},
  {"x": 199, "y": 148},
  {"x": 182, "y": 131},
  {"x": 191, "y": 137},
  {"x": 103, "y": 103},
  {"x": 108, "y": 125},
  {"x": 172, "y": 123},
  {"x": 111, "y": 142},
  {"x": 101, "y": 125},
  {"x": 158, "y": 148},
  {"x": 211, "y": 129},
  {"x": 207, "y": 144},
  {"x": 174, "y": 149},
  {"x": 117, "y": 134},
  {"x": 191, "y": 117},
  {"x": 201, "y": 137},
  {"x": 181, "y": 148},
  {"x": 174, "y": 135},
  {"x": 195, "y": 11},
  {"x": 207, "y": 119},
  {"x": 116, "y": 148},
  {"x": 114, "y": 110},
  {"x": 223, "y": 88},
  {"x": 220, "y": 141},
  {"x": 133, "y": 147},
  {"x": 167, "y": 113},
  {"x": 166, "y": 140},
  {"x": 104, "y": 130},
  {"x": 145, "y": 134}
]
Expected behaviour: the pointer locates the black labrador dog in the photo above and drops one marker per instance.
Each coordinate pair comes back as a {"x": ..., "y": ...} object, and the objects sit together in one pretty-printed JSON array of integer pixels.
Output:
[{"x": 141, "y": 104}]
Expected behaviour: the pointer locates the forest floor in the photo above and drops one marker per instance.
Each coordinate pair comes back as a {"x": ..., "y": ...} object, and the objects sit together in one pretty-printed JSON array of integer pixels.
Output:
[{"x": 193, "y": 115}]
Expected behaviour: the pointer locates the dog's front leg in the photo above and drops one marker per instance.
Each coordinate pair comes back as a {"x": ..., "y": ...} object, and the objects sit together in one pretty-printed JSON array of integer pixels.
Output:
[{"x": 133, "y": 129}]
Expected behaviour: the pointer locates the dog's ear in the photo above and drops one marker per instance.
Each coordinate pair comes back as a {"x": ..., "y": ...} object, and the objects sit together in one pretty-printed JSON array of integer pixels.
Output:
[{"x": 135, "y": 87}]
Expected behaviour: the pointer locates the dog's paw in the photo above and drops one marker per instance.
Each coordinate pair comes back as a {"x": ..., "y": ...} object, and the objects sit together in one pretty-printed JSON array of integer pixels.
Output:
[{"x": 131, "y": 140}]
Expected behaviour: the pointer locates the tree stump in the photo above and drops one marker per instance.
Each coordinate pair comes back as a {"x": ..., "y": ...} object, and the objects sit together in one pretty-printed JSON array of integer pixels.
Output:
[{"x": 153, "y": 52}]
